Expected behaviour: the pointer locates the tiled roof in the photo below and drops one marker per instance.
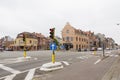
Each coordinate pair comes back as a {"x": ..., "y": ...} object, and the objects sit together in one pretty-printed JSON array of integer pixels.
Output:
[{"x": 28, "y": 35}]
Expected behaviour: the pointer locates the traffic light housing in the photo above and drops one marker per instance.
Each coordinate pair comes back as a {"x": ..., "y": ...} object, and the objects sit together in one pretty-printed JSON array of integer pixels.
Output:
[
  {"x": 52, "y": 30},
  {"x": 24, "y": 38}
]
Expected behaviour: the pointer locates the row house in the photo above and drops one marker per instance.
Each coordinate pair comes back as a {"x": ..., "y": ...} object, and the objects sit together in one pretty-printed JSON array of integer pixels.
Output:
[{"x": 77, "y": 39}]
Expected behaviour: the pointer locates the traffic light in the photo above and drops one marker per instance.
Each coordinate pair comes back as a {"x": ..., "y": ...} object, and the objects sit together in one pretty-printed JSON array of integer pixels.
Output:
[
  {"x": 52, "y": 30},
  {"x": 24, "y": 38}
]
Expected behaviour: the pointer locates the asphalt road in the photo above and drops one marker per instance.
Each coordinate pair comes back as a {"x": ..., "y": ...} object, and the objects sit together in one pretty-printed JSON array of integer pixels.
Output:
[{"x": 83, "y": 65}]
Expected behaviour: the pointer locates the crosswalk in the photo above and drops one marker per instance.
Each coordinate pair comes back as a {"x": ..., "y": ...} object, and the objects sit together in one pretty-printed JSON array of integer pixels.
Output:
[
  {"x": 29, "y": 74},
  {"x": 19, "y": 75},
  {"x": 23, "y": 75}
]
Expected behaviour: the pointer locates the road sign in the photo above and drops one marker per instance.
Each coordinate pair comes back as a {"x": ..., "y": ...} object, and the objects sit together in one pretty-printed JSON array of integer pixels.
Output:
[{"x": 53, "y": 46}]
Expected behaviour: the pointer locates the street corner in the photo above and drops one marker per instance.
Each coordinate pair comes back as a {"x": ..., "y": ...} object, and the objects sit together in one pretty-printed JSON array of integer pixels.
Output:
[{"x": 53, "y": 66}]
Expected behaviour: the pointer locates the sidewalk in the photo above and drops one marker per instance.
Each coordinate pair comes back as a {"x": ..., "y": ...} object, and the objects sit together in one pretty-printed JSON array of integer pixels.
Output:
[{"x": 114, "y": 71}]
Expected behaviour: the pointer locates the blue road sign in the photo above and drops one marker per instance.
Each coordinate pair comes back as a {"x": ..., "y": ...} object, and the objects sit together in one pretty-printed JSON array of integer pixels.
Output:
[{"x": 53, "y": 46}]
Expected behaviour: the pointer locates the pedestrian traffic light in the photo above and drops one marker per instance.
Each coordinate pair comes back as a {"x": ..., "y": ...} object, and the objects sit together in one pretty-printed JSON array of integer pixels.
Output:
[
  {"x": 24, "y": 38},
  {"x": 52, "y": 30}
]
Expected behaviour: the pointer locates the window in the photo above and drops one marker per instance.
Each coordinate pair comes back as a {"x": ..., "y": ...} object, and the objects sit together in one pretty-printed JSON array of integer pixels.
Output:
[
  {"x": 67, "y": 38},
  {"x": 63, "y": 39},
  {"x": 76, "y": 47},
  {"x": 67, "y": 31},
  {"x": 79, "y": 46},
  {"x": 21, "y": 42},
  {"x": 76, "y": 38},
  {"x": 30, "y": 41}
]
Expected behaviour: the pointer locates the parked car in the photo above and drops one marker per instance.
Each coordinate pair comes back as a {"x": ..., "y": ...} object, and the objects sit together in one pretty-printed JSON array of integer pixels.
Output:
[
  {"x": 93, "y": 49},
  {"x": 1, "y": 49},
  {"x": 9, "y": 49},
  {"x": 107, "y": 48},
  {"x": 99, "y": 49}
]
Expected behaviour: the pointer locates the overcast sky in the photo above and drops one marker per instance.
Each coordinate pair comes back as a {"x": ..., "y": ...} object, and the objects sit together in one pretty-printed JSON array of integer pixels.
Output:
[{"x": 99, "y": 16}]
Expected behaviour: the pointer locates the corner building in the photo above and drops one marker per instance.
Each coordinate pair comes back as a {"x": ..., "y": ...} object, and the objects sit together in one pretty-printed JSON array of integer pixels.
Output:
[{"x": 75, "y": 38}]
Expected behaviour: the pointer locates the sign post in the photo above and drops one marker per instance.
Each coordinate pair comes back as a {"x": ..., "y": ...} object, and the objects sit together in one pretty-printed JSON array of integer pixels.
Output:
[
  {"x": 24, "y": 40},
  {"x": 53, "y": 47}
]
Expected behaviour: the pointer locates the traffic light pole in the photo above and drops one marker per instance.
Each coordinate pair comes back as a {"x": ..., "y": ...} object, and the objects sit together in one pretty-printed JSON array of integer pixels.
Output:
[
  {"x": 24, "y": 54},
  {"x": 53, "y": 57},
  {"x": 52, "y": 34}
]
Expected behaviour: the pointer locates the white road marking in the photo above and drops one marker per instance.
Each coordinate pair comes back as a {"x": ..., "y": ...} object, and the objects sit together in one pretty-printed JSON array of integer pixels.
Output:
[
  {"x": 115, "y": 55},
  {"x": 9, "y": 69},
  {"x": 97, "y": 61},
  {"x": 30, "y": 74},
  {"x": 111, "y": 55},
  {"x": 82, "y": 57},
  {"x": 66, "y": 63},
  {"x": 10, "y": 77},
  {"x": 20, "y": 72}
]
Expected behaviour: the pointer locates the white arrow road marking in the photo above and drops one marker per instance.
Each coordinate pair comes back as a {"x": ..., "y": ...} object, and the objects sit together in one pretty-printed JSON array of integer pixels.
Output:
[
  {"x": 30, "y": 74},
  {"x": 9, "y": 69},
  {"x": 97, "y": 61},
  {"x": 10, "y": 77}
]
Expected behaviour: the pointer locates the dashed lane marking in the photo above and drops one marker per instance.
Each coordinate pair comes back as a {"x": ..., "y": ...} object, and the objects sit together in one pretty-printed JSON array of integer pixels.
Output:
[{"x": 97, "y": 61}]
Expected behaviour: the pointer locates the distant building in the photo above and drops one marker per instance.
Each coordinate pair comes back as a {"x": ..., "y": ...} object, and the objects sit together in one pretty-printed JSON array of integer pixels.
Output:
[
  {"x": 43, "y": 42},
  {"x": 108, "y": 43},
  {"x": 6, "y": 42}
]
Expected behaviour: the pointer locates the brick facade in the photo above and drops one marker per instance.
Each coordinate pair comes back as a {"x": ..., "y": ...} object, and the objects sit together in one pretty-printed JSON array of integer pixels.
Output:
[{"x": 76, "y": 38}]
